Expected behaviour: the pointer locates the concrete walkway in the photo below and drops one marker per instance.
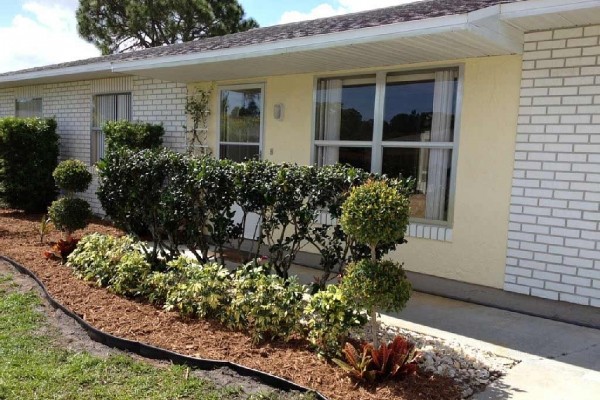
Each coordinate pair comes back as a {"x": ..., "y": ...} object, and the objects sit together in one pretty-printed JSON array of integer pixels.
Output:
[{"x": 558, "y": 360}]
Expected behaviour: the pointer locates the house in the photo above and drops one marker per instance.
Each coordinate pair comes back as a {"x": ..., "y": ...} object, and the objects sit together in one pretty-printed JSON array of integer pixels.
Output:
[{"x": 492, "y": 105}]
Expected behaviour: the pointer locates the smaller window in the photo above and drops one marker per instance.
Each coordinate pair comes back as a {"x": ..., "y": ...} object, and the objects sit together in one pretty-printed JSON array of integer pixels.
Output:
[
  {"x": 28, "y": 108},
  {"x": 240, "y": 122},
  {"x": 107, "y": 107}
]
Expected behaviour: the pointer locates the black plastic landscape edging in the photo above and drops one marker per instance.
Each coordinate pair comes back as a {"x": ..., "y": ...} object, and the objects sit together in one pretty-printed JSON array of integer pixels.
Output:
[{"x": 156, "y": 353}]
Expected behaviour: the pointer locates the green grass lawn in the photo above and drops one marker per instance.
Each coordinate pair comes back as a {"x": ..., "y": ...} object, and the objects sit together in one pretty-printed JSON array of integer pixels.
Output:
[{"x": 33, "y": 366}]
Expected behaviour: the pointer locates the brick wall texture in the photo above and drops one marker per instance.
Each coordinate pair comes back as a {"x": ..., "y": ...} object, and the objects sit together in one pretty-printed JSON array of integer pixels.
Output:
[
  {"x": 554, "y": 238},
  {"x": 71, "y": 104}
]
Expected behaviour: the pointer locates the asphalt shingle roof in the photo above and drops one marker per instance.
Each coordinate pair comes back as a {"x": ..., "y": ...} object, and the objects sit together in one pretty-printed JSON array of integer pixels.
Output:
[{"x": 391, "y": 15}]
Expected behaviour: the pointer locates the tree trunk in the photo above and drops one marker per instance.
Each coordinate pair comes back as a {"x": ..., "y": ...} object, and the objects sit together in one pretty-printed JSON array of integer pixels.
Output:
[
  {"x": 374, "y": 328},
  {"x": 374, "y": 324}
]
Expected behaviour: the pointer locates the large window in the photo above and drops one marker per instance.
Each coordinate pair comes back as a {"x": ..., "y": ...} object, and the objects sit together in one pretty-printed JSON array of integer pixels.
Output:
[
  {"x": 396, "y": 124},
  {"x": 240, "y": 122},
  {"x": 27, "y": 108},
  {"x": 107, "y": 107}
]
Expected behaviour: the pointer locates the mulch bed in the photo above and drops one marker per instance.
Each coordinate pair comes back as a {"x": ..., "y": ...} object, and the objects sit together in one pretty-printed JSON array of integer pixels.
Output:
[{"x": 143, "y": 322}]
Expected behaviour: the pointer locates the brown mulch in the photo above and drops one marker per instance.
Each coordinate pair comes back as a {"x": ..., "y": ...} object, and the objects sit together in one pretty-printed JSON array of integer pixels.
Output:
[{"x": 142, "y": 322}]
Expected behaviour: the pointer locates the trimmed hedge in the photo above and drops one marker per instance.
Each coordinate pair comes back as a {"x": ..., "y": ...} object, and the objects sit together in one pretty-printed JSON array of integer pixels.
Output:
[
  {"x": 28, "y": 155},
  {"x": 132, "y": 135}
]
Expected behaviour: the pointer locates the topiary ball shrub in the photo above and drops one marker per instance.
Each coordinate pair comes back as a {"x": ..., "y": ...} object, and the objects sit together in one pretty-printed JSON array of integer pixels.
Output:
[
  {"x": 69, "y": 214},
  {"x": 377, "y": 285},
  {"x": 72, "y": 176},
  {"x": 375, "y": 213}
]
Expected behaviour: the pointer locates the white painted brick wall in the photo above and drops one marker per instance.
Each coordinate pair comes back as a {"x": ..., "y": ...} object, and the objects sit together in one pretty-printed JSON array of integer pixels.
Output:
[
  {"x": 71, "y": 104},
  {"x": 554, "y": 239}
]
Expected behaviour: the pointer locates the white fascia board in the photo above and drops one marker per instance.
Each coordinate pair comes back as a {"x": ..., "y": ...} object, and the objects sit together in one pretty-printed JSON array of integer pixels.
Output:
[
  {"x": 541, "y": 7},
  {"x": 365, "y": 35},
  {"x": 486, "y": 24},
  {"x": 103, "y": 67}
]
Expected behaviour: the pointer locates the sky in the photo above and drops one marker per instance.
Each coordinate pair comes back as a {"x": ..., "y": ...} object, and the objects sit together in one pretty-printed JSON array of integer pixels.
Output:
[{"x": 41, "y": 32}]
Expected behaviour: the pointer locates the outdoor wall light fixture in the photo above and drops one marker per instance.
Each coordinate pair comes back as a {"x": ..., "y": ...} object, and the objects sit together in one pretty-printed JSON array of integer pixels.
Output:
[{"x": 278, "y": 111}]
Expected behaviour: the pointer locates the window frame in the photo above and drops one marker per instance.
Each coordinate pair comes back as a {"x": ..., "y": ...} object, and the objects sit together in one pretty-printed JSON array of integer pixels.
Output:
[
  {"x": 220, "y": 90},
  {"x": 94, "y": 158},
  {"x": 377, "y": 144},
  {"x": 28, "y": 99}
]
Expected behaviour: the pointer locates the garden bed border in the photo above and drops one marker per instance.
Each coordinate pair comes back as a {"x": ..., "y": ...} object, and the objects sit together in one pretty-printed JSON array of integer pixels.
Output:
[{"x": 156, "y": 353}]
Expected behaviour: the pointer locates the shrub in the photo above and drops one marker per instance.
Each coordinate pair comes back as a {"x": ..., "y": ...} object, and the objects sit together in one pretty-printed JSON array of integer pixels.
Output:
[
  {"x": 28, "y": 155},
  {"x": 375, "y": 284},
  {"x": 97, "y": 256},
  {"x": 154, "y": 191},
  {"x": 375, "y": 213},
  {"x": 72, "y": 176},
  {"x": 266, "y": 305},
  {"x": 132, "y": 135},
  {"x": 69, "y": 214},
  {"x": 130, "y": 274},
  {"x": 203, "y": 290},
  {"x": 329, "y": 318}
]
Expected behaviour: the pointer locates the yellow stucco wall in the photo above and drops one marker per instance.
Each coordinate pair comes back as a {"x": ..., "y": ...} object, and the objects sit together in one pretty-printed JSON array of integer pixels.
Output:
[{"x": 487, "y": 133}]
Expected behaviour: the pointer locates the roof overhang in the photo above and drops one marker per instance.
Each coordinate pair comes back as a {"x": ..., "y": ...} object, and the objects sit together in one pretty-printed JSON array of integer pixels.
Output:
[{"x": 496, "y": 30}]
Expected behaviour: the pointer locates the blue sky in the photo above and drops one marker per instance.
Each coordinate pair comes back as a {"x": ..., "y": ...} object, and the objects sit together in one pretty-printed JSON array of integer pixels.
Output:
[{"x": 41, "y": 32}]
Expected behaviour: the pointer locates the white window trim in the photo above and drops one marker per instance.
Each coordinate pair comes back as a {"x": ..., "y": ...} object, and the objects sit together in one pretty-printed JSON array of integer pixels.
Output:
[
  {"x": 419, "y": 227},
  {"x": 261, "y": 139}
]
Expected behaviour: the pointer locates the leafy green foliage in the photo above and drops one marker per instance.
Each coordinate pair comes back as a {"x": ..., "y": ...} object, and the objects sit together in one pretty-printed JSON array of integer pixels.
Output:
[
  {"x": 130, "y": 274},
  {"x": 69, "y": 214},
  {"x": 390, "y": 361},
  {"x": 118, "y": 26},
  {"x": 329, "y": 318},
  {"x": 72, "y": 176},
  {"x": 200, "y": 290},
  {"x": 376, "y": 284},
  {"x": 98, "y": 256},
  {"x": 132, "y": 135},
  {"x": 266, "y": 305},
  {"x": 44, "y": 228},
  {"x": 28, "y": 155},
  {"x": 375, "y": 213}
]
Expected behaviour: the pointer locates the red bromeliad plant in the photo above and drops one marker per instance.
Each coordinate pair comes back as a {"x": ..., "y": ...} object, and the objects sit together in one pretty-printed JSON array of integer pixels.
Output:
[
  {"x": 61, "y": 250},
  {"x": 391, "y": 361}
]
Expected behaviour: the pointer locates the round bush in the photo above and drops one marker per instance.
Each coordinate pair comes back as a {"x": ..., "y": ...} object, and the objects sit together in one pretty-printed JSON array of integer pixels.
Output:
[
  {"x": 72, "y": 176},
  {"x": 375, "y": 213},
  {"x": 377, "y": 285},
  {"x": 69, "y": 214}
]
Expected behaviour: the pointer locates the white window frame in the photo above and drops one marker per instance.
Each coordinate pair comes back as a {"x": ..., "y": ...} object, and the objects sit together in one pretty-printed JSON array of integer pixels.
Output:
[
  {"x": 221, "y": 89},
  {"x": 377, "y": 144},
  {"x": 29, "y": 99},
  {"x": 94, "y": 130}
]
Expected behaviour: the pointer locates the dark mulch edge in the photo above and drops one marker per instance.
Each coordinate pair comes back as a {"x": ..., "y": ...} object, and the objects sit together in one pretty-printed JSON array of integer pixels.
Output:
[{"x": 156, "y": 353}]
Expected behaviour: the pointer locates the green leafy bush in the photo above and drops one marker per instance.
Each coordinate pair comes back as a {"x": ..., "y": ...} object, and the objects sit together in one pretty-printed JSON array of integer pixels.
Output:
[
  {"x": 72, "y": 176},
  {"x": 266, "y": 305},
  {"x": 330, "y": 315},
  {"x": 204, "y": 293},
  {"x": 97, "y": 257},
  {"x": 375, "y": 213},
  {"x": 375, "y": 284},
  {"x": 132, "y": 135},
  {"x": 130, "y": 274},
  {"x": 69, "y": 214},
  {"x": 28, "y": 155}
]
